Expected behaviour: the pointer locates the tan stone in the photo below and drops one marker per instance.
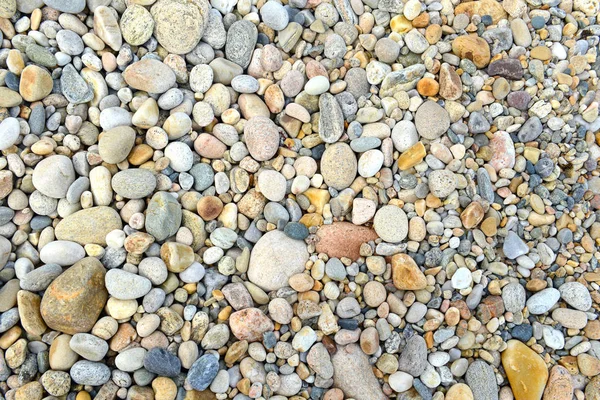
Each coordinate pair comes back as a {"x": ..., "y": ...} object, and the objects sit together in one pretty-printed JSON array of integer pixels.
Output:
[
  {"x": 406, "y": 273},
  {"x": 473, "y": 48},
  {"x": 525, "y": 369},
  {"x": 459, "y": 391},
  {"x": 492, "y": 8},
  {"x": 36, "y": 83},
  {"x": 412, "y": 156}
]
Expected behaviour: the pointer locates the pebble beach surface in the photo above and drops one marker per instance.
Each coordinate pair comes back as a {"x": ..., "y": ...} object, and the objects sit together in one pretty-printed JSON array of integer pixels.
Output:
[{"x": 299, "y": 199}]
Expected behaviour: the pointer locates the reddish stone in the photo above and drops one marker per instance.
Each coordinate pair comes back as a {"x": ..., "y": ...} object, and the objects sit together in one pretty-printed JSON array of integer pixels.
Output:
[
  {"x": 343, "y": 239},
  {"x": 490, "y": 307}
]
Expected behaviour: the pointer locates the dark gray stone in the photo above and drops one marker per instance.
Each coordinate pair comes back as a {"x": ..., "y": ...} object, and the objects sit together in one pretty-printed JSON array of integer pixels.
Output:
[
  {"x": 203, "y": 372},
  {"x": 161, "y": 362}
]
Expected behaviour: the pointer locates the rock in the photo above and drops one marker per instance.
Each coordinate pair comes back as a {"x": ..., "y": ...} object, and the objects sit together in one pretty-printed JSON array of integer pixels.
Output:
[
  {"x": 62, "y": 252},
  {"x": 135, "y": 183},
  {"x": 9, "y": 133},
  {"x": 161, "y": 362},
  {"x": 115, "y": 144},
  {"x": 503, "y": 151},
  {"x": 353, "y": 374},
  {"x": 262, "y": 138},
  {"x": 250, "y": 324},
  {"x": 560, "y": 385},
  {"x": 106, "y": 26},
  {"x": 514, "y": 297},
  {"x": 137, "y": 25},
  {"x": 525, "y": 369},
  {"x": 203, "y": 371},
  {"x": 472, "y": 47},
  {"x": 179, "y": 24},
  {"x": 531, "y": 130},
  {"x": 29, "y": 313},
  {"x": 481, "y": 375},
  {"x": 513, "y": 246},
  {"x": 576, "y": 295},
  {"x": 74, "y": 300},
  {"x": 241, "y": 39},
  {"x": 450, "y": 83},
  {"x": 442, "y": 183},
  {"x": 53, "y": 175},
  {"x": 274, "y": 259},
  {"x": 483, "y": 7},
  {"x": 400, "y": 381},
  {"x": 413, "y": 359},
  {"x": 274, "y": 15},
  {"x": 431, "y": 120},
  {"x": 163, "y": 216},
  {"x": 125, "y": 285},
  {"x": 343, "y": 239},
  {"x": 149, "y": 75},
  {"x": 90, "y": 373},
  {"x": 88, "y": 346},
  {"x": 406, "y": 274},
  {"x": 338, "y": 166},
  {"x": 391, "y": 224},
  {"x": 89, "y": 226},
  {"x": 66, "y": 6},
  {"x": 8, "y": 8},
  {"x": 543, "y": 301},
  {"x": 508, "y": 68},
  {"x": 459, "y": 391},
  {"x": 331, "y": 118}
]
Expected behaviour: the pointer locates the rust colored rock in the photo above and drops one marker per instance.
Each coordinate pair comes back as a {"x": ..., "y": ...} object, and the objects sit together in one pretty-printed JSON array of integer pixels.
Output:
[
  {"x": 472, "y": 215},
  {"x": 343, "y": 239},
  {"x": 73, "y": 302},
  {"x": 490, "y": 307}
]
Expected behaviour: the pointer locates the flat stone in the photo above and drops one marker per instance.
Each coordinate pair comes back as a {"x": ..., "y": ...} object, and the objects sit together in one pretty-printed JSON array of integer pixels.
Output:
[
  {"x": 89, "y": 226},
  {"x": 339, "y": 166},
  {"x": 413, "y": 359},
  {"x": 274, "y": 259},
  {"x": 343, "y": 239},
  {"x": 115, "y": 144},
  {"x": 149, "y": 75},
  {"x": 66, "y": 6},
  {"x": 543, "y": 301},
  {"x": 354, "y": 375},
  {"x": 203, "y": 371},
  {"x": 391, "y": 224},
  {"x": 137, "y": 25},
  {"x": 241, "y": 39},
  {"x": 576, "y": 295},
  {"x": 508, "y": 68},
  {"x": 134, "y": 183}
]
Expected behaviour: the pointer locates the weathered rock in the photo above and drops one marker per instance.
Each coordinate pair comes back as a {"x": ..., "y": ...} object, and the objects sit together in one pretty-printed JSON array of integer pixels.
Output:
[
  {"x": 73, "y": 302},
  {"x": 89, "y": 226},
  {"x": 353, "y": 374}
]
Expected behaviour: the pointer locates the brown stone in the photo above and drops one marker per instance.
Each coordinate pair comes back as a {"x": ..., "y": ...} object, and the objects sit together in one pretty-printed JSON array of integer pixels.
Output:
[
  {"x": 525, "y": 369},
  {"x": 209, "y": 207},
  {"x": 406, "y": 273},
  {"x": 592, "y": 330},
  {"x": 473, "y": 48},
  {"x": 343, "y": 239},
  {"x": 490, "y": 226},
  {"x": 472, "y": 215},
  {"x": 450, "y": 83},
  {"x": 74, "y": 300},
  {"x": 560, "y": 385},
  {"x": 588, "y": 365},
  {"x": 30, "y": 391}
]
